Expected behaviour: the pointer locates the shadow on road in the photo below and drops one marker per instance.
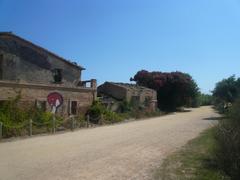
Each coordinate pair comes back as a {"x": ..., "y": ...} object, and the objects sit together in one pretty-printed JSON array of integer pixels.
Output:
[
  {"x": 184, "y": 110},
  {"x": 214, "y": 118}
]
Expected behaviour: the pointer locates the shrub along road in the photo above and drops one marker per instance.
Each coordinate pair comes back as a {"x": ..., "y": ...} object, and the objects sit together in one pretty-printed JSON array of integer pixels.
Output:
[{"x": 123, "y": 151}]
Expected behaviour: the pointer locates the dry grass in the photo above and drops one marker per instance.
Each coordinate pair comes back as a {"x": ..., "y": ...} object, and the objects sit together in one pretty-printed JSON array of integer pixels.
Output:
[{"x": 195, "y": 161}]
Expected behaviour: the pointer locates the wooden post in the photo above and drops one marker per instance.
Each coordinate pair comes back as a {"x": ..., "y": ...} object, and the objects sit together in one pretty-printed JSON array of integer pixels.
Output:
[
  {"x": 30, "y": 127},
  {"x": 73, "y": 123},
  {"x": 1, "y": 130},
  {"x": 54, "y": 124},
  {"x": 88, "y": 119}
]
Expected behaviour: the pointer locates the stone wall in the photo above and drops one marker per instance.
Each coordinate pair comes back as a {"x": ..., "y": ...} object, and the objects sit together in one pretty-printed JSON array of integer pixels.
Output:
[
  {"x": 15, "y": 68},
  {"x": 145, "y": 96},
  {"x": 132, "y": 93},
  {"x": 27, "y": 62},
  {"x": 113, "y": 91},
  {"x": 30, "y": 93}
]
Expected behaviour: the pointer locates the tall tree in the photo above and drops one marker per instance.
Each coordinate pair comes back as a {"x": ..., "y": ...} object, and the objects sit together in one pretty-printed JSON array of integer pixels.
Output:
[
  {"x": 174, "y": 89},
  {"x": 227, "y": 90}
]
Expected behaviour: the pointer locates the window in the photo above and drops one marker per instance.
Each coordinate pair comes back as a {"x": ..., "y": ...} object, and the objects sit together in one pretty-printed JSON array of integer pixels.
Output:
[
  {"x": 73, "y": 107},
  {"x": 135, "y": 99},
  {"x": 1, "y": 67},
  {"x": 57, "y": 75}
]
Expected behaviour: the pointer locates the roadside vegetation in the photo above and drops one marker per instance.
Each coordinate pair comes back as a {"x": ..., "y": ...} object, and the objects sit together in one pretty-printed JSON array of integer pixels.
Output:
[
  {"x": 226, "y": 93},
  {"x": 195, "y": 161},
  {"x": 216, "y": 153},
  {"x": 15, "y": 120},
  {"x": 23, "y": 120},
  {"x": 227, "y": 102},
  {"x": 99, "y": 114},
  {"x": 31, "y": 120},
  {"x": 228, "y": 142}
]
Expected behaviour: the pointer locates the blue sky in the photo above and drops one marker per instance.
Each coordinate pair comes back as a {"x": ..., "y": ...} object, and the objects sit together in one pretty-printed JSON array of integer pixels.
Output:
[{"x": 113, "y": 39}]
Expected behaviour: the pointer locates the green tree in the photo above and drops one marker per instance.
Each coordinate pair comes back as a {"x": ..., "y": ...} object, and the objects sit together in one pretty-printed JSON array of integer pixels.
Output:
[{"x": 227, "y": 90}]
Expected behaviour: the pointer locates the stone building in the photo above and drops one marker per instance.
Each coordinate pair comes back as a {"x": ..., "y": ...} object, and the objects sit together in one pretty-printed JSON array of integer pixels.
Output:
[
  {"x": 39, "y": 76},
  {"x": 112, "y": 92}
]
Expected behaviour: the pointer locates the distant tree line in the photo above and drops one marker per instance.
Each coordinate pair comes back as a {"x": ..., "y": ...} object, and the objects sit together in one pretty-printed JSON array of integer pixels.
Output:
[
  {"x": 205, "y": 99},
  {"x": 226, "y": 93}
]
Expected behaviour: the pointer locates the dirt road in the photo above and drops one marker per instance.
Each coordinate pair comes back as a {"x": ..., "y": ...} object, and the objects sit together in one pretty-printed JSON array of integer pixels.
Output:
[{"x": 124, "y": 151}]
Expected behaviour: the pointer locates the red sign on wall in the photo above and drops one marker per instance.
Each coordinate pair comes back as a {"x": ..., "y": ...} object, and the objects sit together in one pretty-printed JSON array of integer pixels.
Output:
[{"x": 55, "y": 100}]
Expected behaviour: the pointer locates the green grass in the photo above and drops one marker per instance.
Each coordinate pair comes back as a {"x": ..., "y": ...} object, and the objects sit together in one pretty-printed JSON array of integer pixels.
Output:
[{"x": 194, "y": 161}]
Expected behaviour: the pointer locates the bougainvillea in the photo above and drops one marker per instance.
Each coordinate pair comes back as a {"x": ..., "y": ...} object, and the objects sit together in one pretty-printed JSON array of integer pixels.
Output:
[{"x": 174, "y": 89}]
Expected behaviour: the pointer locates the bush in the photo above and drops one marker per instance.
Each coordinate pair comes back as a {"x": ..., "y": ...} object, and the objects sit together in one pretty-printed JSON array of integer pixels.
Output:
[
  {"x": 220, "y": 107},
  {"x": 226, "y": 92},
  {"x": 228, "y": 143},
  {"x": 125, "y": 106},
  {"x": 98, "y": 111},
  {"x": 111, "y": 117},
  {"x": 16, "y": 119},
  {"x": 13, "y": 118},
  {"x": 95, "y": 112},
  {"x": 81, "y": 121}
]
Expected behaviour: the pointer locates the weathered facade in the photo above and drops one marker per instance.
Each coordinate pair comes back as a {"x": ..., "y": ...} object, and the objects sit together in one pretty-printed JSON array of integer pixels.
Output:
[
  {"x": 35, "y": 72},
  {"x": 133, "y": 93}
]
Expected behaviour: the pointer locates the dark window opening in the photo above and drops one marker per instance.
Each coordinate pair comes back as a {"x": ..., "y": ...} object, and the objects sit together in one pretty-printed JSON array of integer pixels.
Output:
[
  {"x": 135, "y": 100},
  {"x": 1, "y": 67},
  {"x": 74, "y": 107},
  {"x": 41, "y": 105},
  {"x": 57, "y": 75}
]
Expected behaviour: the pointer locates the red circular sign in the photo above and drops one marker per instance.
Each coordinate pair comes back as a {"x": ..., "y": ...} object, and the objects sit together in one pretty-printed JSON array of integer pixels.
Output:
[{"x": 55, "y": 99}]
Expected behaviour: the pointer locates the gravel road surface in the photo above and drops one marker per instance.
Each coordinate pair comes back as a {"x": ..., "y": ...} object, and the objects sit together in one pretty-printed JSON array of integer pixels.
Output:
[{"x": 123, "y": 151}]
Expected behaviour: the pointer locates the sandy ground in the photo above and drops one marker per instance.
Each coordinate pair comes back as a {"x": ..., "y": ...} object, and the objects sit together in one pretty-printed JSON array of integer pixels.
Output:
[{"x": 123, "y": 151}]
